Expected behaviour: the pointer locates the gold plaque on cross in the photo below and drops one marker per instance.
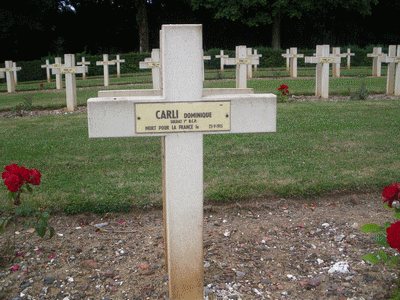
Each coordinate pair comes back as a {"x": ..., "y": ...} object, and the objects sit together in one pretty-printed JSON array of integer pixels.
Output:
[
  {"x": 172, "y": 117},
  {"x": 245, "y": 61},
  {"x": 397, "y": 59},
  {"x": 153, "y": 65},
  {"x": 68, "y": 70},
  {"x": 328, "y": 60}
]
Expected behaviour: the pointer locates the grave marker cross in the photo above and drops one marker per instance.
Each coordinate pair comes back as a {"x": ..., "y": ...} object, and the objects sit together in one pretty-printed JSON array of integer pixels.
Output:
[
  {"x": 155, "y": 65},
  {"x": 241, "y": 61},
  {"x": 69, "y": 70},
  {"x": 47, "y": 66},
  {"x": 336, "y": 66},
  {"x": 393, "y": 72},
  {"x": 83, "y": 63},
  {"x": 105, "y": 63},
  {"x": 349, "y": 54},
  {"x": 182, "y": 116},
  {"x": 222, "y": 57},
  {"x": 377, "y": 56},
  {"x": 322, "y": 58},
  {"x": 118, "y": 61},
  {"x": 293, "y": 56},
  {"x": 9, "y": 70},
  {"x": 57, "y": 64}
]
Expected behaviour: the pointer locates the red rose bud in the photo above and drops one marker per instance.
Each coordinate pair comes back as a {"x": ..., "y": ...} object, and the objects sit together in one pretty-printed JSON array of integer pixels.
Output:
[
  {"x": 390, "y": 193},
  {"x": 393, "y": 235},
  {"x": 13, "y": 183}
]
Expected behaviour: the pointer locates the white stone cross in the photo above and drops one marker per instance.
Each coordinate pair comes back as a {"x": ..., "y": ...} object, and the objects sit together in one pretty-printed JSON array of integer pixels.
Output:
[
  {"x": 256, "y": 55},
  {"x": 292, "y": 56},
  {"x": 9, "y": 70},
  {"x": 349, "y": 54},
  {"x": 393, "y": 72},
  {"x": 154, "y": 64},
  {"x": 118, "y": 61},
  {"x": 83, "y": 63},
  {"x": 47, "y": 66},
  {"x": 181, "y": 115},
  {"x": 241, "y": 61},
  {"x": 105, "y": 63},
  {"x": 336, "y": 66},
  {"x": 58, "y": 64},
  {"x": 287, "y": 56},
  {"x": 14, "y": 65},
  {"x": 255, "y": 60},
  {"x": 222, "y": 57},
  {"x": 377, "y": 61},
  {"x": 322, "y": 59},
  {"x": 69, "y": 70},
  {"x": 205, "y": 57}
]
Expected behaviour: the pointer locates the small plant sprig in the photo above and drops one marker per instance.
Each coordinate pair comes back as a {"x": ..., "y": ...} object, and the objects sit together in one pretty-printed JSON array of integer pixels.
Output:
[
  {"x": 387, "y": 235},
  {"x": 283, "y": 93},
  {"x": 18, "y": 180},
  {"x": 361, "y": 94}
]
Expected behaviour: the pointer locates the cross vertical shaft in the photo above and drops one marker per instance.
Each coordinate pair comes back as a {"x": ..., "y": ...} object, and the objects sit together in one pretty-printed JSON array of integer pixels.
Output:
[{"x": 183, "y": 165}]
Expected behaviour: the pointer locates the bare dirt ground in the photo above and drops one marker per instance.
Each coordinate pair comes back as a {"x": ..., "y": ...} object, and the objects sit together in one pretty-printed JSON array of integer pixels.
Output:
[{"x": 264, "y": 249}]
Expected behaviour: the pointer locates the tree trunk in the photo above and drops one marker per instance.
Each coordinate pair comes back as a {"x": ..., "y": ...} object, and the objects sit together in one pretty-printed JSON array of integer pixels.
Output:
[
  {"x": 141, "y": 19},
  {"x": 276, "y": 32}
]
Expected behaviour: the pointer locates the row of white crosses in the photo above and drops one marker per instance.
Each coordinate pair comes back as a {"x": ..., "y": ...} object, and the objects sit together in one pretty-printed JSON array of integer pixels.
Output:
[
  {"x": 105, "y": 63},
  {"x": 181, "y": 112},
  {"x": 10, "y": 71},
  {"x": 243, "y": 61}
]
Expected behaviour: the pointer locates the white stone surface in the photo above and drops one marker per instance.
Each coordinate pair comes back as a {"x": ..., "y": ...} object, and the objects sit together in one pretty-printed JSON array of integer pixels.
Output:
[{"x": 57, "y": 64}]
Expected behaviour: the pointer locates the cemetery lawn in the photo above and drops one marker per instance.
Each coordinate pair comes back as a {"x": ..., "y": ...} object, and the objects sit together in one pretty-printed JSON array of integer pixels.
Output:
[{"x": 320, "y": 148}]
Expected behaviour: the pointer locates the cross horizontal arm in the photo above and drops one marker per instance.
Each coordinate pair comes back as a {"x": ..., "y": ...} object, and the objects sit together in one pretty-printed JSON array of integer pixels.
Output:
[{"x": 116, "y": 117}]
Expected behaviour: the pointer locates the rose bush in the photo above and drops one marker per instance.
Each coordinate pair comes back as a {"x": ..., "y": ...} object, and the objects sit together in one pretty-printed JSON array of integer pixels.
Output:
[
  {"x": 18, "y": 180},
  {"x": 283, "y": 94},
  {"x": 387, "y": 235}
]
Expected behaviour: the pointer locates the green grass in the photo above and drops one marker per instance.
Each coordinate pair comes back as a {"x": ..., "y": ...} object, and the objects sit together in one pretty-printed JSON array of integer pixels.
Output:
[{"x": 319, "y": 148}]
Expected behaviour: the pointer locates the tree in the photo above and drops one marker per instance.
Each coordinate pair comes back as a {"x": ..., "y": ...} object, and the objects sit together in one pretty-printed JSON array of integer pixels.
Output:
[{"x": 261, "y": 12}]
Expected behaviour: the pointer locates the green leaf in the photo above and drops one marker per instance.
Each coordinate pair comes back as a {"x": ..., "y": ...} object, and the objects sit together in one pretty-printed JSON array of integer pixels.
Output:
[
  {"x": 380, "y": 239},
  {"x": 371, "y": 227},
  {"x": 29, "y": 188},
  {"x": 10, "y": 195},
  {"x": 41, "y": 227},
  {"x": 386, "y": 226},
  {"x": 382, "y": 255},
  {"x": 395, "y": 258},
  {"x": 52, "y": 231},
  {"x": 371, "y": 258},
  {"x": 396, "y": 215},
  {"x": 45, "y": 216}
]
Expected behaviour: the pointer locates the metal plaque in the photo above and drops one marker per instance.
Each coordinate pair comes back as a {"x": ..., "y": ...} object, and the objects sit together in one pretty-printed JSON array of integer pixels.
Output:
[
  {"x": 170, "y": 117},
  {"x": 68, "y": 70},
  {"x": 326, "y": 60}
]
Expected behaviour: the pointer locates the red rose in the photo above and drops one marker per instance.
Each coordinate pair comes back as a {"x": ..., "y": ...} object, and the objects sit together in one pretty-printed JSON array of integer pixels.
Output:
[
  {"x": 283, "y": 87},
  {"x": 34, "y": 177},
  {"x": 41, "y": 85},
  {"x": 13, "y": 183},
  {"x": 13, "y": 168},
  {"x": 393, "y": 235},
  {"x": 390, "y": 193}
]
